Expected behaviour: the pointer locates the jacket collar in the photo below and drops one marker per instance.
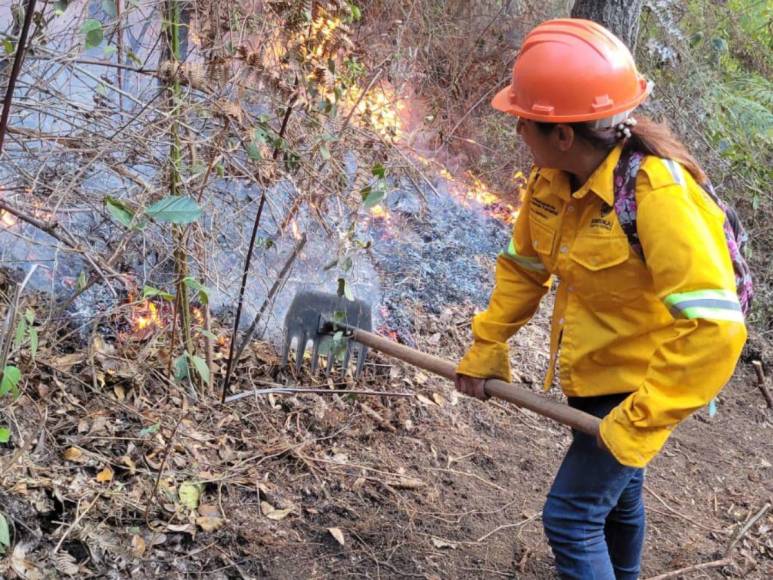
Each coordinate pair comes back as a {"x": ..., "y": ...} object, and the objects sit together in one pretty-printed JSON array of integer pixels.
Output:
[{"x": 600, "y": 182}]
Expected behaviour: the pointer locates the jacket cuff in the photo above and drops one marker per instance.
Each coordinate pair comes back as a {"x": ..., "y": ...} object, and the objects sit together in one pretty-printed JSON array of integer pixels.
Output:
[
  {"x": 631, "y": 445},
  {"x": 486, "y": 361}
]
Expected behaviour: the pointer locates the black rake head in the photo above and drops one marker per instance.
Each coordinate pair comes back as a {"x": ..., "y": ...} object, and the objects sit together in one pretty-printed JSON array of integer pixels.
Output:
[{"x": 315, "y": 316}]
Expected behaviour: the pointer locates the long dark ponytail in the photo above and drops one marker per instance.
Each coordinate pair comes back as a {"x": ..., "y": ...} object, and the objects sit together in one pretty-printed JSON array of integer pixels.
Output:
[{"x": 648, "y": 136}]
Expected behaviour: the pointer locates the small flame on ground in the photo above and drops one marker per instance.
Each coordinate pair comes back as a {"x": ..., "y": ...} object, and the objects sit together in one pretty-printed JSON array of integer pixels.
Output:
[
  {"x": 146, "y": 317},
  {"x": 379, "y": 108},
  {"x": 198, "y": 315},
  {"x": 8, "y": 219}
]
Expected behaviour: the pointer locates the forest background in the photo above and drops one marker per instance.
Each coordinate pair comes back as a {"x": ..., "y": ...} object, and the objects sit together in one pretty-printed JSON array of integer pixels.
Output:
[{"x": 155, "y": 148}]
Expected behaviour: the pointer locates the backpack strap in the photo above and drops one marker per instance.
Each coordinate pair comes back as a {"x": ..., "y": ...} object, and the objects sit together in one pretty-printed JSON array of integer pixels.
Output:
[{"x": 625, "y": 195}]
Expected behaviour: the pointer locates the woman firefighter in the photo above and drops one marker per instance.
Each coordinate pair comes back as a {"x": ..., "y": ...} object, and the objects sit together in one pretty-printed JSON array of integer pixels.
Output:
[{"x": 649, "y": 309}]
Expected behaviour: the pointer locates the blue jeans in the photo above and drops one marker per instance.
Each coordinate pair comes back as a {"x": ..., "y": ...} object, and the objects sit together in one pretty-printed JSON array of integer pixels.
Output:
[{"x": 594, "y": 514}]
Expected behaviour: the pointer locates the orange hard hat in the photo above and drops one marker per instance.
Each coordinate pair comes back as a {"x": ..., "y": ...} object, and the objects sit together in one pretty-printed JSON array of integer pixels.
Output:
[{"x": 570, "y": 70}]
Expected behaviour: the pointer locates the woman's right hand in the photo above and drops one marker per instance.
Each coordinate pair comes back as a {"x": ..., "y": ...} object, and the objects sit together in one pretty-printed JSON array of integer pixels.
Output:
[{"x": 472, "y": 386}]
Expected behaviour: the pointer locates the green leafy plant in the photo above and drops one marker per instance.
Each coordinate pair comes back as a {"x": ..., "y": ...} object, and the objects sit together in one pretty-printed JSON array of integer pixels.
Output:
[
  {"x": 92, "y": 30},
  {"x": 373, "y": 193},
  {"x": 26, "y": 332},
  {"x": 5, "y": 534}
]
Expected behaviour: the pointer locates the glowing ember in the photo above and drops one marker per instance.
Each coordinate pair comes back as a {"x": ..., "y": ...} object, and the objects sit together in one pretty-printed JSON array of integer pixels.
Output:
[
  {"x": 198, "y": 315},
  {"x": 8, "y": 219},
  {"x": 379, "y": 109},
  {"x": 145, "y": 317},
  {"x": 472, "y": 190}
]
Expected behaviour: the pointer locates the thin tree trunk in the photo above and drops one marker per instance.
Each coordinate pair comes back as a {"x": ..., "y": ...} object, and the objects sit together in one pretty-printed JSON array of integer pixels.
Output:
[{"x": 619, "y": 16}]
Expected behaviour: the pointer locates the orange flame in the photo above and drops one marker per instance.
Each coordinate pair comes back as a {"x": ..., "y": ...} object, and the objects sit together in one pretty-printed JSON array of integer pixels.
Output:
[
  {"x": 145, "y": 317},
  {"x": 198, "y": 315}
]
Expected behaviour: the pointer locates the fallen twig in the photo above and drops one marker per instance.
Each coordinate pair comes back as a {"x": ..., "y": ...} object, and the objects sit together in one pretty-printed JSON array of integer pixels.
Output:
[
  {"x": 293, "y": 390},
  {"x": 507, "y": 526},
  {"x": 378, "y": 418},
  {"x": 75, "y": 523},
  {"x": 676, "y": 513},
  {"x": 761, "y": 382},
  {"x": 728, "y": 558},
  {"x": 694, "y": 568},
  {"x": 169, "y": 446}
]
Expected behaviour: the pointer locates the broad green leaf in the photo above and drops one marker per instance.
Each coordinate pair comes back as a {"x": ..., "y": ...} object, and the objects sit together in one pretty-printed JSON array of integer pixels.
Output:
[
  {"x": 5, "y": 437},
  {"x": 325, "y": 152},
  {"x": 33, "y": 342},
  {"x": 175, "y": 209},
  {"x": 60, "y": 7},
  {"x": 201, "y": 367},
  {"x": 21, "y": 331},
  {"x": 119, "y": 211},
  {"x": 372, "y": 196},
  {"x": 82, "y": 281},
  {"x": 10, "y": 382},
  {"x": 378, "y": 171},
  {"x": 253, "y": 152},
  {"x": 93, "y": 31},
  {"x": 5, "y": 534},
  {"x": 109, "y": 51},
  {"x": 220, "y": 170},
  {"x": 197, "y": 286},
  {"x": 109, "y": 7},
  {"x": 150, "y": 292},
  {"x": 150, "y": 430},
  {"x": 356, "y": 12},
  {"x": 29, "y": 314},
  {"x": 8, "y": 46},
  {"x": 181, "y": 370},
  {"x": 189, "y": 494}
]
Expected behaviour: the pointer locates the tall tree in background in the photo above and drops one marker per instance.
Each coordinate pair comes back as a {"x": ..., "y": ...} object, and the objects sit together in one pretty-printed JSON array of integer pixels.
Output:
[{"x": 619, "y": 16}]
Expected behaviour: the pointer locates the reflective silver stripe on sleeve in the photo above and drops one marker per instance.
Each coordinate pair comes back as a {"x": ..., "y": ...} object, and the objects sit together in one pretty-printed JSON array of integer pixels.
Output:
[
  {"x": 676, "y": 171},
  {"x": 527, "y": 262}
]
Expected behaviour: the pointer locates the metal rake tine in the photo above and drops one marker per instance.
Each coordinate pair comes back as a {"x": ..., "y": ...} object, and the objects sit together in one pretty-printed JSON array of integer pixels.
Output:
[
  {"x": 331, "y": 357},
  {"x": 286, "y": 349},
  {"x": 362, "y": 352},
  {"x": 300, "y": 348},
  {"x": 315, "y": 355},
  {"x": 347, "y": 356}
]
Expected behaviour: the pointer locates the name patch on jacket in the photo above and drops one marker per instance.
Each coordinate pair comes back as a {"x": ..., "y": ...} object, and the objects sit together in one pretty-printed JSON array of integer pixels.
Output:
[{"x": 541, "y": 208}]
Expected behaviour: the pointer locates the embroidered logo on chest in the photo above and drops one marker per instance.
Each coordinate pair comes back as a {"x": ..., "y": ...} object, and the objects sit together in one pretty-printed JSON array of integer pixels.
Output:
[
  {"x": 601, "y": 223},
  {"x": 543, "y": 209}
]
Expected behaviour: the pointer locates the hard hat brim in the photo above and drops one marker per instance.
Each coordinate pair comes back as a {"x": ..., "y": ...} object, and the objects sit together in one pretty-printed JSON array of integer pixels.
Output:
[{"x": 502, "y": 101}]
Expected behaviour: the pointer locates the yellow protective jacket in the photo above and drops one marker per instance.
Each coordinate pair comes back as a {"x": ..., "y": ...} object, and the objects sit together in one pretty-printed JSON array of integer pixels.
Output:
[{"x": 669, "y": 331}]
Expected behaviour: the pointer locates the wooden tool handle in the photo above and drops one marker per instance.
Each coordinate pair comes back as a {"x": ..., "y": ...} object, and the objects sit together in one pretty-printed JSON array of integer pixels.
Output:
[{"x": 494, "y": 387}]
